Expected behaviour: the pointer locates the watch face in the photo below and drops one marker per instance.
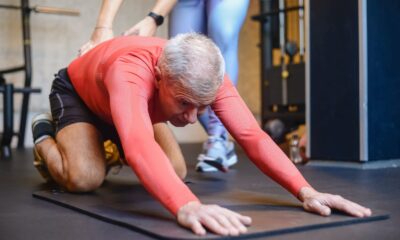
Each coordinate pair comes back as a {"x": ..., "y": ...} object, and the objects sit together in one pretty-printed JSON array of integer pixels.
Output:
[{"x": 157, "y": 18}]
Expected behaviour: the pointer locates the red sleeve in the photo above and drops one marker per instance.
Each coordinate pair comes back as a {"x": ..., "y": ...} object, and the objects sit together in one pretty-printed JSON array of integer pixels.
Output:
[
  {"x": 260, "y": 148},
  {"x": 129, "y": 110}
]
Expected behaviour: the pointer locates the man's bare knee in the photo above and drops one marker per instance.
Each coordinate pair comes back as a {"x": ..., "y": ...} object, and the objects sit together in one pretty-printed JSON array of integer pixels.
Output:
[{"x": 84, "y": 182}]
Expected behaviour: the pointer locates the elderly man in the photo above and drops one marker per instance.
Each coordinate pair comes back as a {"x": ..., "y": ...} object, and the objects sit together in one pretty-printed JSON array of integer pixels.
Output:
[{"x": 123, "y": 86}]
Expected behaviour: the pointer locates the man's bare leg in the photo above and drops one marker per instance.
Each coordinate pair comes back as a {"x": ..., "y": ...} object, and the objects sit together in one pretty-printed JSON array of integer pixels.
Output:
[
  {"x": 75, "y": 159},
  {"x": 166, "y": 139}
]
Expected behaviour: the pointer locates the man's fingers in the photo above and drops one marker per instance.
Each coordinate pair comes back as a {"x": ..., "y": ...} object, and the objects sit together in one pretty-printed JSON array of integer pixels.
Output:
[
  {"x": 313, "y": 205},
  {"x": 349, "y": 207},
  {"x": 243, "y": 219},
  {"x": 237, "y": 224},
  {"x": 227, "y": 223},
  {"x": 322, "y": 203},
  {"x": 216, "y": 219},
  {"x": 212, "y": 224},
  {"x": 194, "y": 224},
  {"x": 197, "y": 228}
]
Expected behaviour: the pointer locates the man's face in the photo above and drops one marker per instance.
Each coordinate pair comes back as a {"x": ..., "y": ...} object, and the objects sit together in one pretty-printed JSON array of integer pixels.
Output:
[{"x": 177, "y": 108}]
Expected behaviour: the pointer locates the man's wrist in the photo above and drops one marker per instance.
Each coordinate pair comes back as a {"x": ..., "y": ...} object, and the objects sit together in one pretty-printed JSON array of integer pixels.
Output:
[{"x": 305, "y": 192}]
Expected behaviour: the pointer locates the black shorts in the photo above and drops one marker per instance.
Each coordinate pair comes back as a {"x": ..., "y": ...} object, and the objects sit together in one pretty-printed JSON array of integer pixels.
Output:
[{"x": 68, "y": 108}]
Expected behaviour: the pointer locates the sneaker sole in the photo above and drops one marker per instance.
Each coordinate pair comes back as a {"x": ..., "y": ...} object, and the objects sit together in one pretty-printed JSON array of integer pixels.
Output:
[{"x": 214, "y": 166}]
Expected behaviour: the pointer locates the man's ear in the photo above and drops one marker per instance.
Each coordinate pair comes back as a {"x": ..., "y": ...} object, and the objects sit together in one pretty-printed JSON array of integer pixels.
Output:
[{"x": 158, "y": 76}]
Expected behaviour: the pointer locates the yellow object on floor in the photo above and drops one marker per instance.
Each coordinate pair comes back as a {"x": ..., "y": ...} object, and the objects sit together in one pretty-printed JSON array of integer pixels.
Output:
[{"x": 113, "y": 158}]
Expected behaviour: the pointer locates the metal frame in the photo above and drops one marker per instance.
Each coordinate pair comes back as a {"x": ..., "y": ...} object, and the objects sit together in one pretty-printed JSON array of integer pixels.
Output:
[
  {"x": 363, "y": 79},
  {"x": 8, "y": 90},
  {"x": 307, "y": 70}
]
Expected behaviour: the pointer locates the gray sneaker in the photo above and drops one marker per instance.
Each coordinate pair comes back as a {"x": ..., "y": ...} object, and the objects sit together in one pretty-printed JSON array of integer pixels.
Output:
[
  {"x": 218, "y": 154},
  {"x": 42, "y": 128}
]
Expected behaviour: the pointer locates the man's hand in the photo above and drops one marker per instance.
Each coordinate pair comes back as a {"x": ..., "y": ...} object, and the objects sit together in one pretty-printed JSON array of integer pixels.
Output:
[
  {"x": 323, "y": 203},
  {"x": 199, "y": 217},
  {"x": 99, "y": 35},
  {"x": 146, "y": 28}
]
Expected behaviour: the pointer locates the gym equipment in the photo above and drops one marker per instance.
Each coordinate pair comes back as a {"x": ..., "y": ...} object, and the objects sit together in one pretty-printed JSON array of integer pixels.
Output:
[
  {"x": 275, "y": 129},
  {"x": 291, "y": 50},
  {"x": 8, "y": 90},
  {"x": 126, "y": 203},
  {"x": 283, "y": 86}
]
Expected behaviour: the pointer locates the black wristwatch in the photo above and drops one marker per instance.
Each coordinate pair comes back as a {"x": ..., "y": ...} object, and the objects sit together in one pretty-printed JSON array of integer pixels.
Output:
[{"x": 157, "y": 18}]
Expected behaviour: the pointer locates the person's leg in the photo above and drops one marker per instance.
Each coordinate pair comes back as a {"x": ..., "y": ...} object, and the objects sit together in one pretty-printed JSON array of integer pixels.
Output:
[
  {"x": 75, "y": 158},
  {"x": 187, "y": 16},
  {"x": 224, "y": 21},
  {"x": 67, "y": 143},
  {"x": 166, "y": 139}
]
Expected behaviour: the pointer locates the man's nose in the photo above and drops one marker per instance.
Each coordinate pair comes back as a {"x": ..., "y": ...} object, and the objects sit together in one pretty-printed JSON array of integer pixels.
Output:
[{"x": 191, "y": 115}]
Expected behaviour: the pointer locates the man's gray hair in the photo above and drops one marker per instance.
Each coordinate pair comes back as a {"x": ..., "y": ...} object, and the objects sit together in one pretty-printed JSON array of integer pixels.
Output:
[{"x": 193, "y": 63}]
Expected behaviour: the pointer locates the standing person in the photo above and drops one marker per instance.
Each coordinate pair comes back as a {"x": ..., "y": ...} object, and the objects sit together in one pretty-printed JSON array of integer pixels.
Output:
[
  {"x": 122, "y": 87},
  {"x": 221, "y": 20}
]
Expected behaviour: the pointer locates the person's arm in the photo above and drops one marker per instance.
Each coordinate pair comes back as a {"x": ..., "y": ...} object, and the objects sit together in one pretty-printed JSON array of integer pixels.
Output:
[
  {"x": 148, "y": 27},
  {"x": 104, "y": 24},
  {"x": 270, "y": 159},
  {"x": 129, "y": 110},
  {"x": 103, "y": 30}
]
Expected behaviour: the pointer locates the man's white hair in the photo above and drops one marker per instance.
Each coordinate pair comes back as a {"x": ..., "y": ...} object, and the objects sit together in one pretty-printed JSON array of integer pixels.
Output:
[{"x": 193, "y": 63}]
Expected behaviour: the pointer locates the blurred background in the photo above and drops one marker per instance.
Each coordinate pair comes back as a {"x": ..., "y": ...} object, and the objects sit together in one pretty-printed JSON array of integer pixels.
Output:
[{"x": 55, "y": 40}]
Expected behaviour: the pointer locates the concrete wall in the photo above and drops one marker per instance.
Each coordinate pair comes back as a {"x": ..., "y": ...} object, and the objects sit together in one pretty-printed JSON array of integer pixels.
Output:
[{"x": 56, "y": 40}]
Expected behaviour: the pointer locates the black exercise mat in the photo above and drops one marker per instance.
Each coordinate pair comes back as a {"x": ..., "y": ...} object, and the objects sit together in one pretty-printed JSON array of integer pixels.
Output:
[{"x": 127, "y": 204}]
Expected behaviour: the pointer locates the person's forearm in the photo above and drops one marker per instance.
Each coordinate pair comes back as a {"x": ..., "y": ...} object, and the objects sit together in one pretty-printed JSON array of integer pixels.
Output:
[
  {"x": 163, "y": 7},
  {"x": 109, "y": 9},
  {"x": 260, "y": 148}
]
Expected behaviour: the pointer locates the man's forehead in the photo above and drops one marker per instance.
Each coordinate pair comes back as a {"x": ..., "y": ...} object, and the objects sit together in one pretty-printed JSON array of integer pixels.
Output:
[
  {"x": 189, "y": 95},
  {"x": 192, "y": 100}
]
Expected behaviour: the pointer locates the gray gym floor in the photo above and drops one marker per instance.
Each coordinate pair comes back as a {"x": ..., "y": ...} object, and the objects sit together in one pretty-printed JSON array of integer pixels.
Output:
[{"x": 25, "y": 217}]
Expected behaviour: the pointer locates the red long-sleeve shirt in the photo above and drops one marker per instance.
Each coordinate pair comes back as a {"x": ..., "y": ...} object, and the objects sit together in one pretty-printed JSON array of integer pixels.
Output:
[{"x": 116, "y": 80}]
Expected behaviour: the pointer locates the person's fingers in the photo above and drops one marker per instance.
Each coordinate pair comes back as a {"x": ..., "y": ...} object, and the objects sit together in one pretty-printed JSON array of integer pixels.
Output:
[
  {"x": 245, "y": 220},
  {"x": 235, "y": 221},
  {"x": 349, "y": 207},
  {"x": 192, "y": 223},
  {"x": 197, "y": 228},
  {"x": 232, "y": 221},
  {"x": 131, "y": 31},
  {"x": 367, "y": 212},
  {"x": 86, "y": 47},
  {"x": 213, "y": 225},
  {"x": 238, "y": 220},
  {"x": 226, "y": 222},
  {"x": 83, "y": 48},
  {"x": 214, "y": 218},
  {"x": 313, "y": 205}
]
